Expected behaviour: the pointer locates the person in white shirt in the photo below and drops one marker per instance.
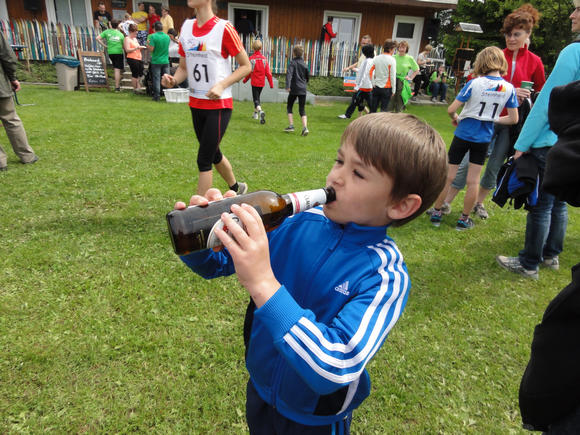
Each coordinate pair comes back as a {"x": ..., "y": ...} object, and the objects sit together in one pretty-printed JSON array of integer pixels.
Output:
[{"x": 384, "y": 75}]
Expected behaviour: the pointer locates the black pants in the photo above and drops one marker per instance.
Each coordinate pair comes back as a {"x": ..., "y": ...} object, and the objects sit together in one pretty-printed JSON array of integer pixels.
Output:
[
  {"x": 359, "y": 100},
  {"x": 264, "y": 419},
  {"x": 256, "y": 92},
  {"x": 210, "y": 127},
  {"x": 381, "y": 96},
  {"x": 301, "y": 103}
]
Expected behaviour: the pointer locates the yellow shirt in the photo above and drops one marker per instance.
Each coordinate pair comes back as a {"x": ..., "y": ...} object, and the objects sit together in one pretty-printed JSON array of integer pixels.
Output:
[
  {"x": 140, "y": 14},
  {"x": 167, "y": 22}
]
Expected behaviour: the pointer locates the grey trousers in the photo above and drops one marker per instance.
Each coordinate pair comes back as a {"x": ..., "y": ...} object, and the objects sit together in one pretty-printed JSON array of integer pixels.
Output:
[{"x": 15, "y": 132}]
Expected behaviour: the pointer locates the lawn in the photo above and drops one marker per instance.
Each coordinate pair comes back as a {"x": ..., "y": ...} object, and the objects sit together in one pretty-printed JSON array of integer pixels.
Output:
[{"x": 103, "y": 329}]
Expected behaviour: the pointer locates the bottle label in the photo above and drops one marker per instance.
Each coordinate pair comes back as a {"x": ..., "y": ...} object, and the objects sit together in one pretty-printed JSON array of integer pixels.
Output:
[
  {"x": 212, "y": 239},
  {"x": 309, "y": 198}
]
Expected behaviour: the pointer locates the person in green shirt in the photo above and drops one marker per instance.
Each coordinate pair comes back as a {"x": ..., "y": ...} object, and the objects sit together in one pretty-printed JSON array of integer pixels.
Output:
[
  {"x": 407, "y": 69},
  {"x": 439, "y": 84},
  {"x": 158, "y": 46},
  {"x": 112, "y": 41}
]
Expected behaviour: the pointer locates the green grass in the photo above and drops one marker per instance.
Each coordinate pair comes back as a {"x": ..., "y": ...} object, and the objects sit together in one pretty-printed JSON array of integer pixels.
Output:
[{"x": 102, "y": 329}]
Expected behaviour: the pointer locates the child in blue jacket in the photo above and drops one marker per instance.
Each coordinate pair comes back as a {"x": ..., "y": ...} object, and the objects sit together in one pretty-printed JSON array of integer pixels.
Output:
[{"x": 328, "y": 285}]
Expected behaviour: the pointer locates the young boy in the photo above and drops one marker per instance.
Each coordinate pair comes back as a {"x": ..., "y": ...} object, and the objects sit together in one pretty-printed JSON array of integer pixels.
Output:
[
  {"x": 205, "y": 46},
  {"x": 484, "y": 98},
  {"x": 328, "y": 284},
  {"x": 297, "y": 77},
  {"x": 260, "y": 71}
]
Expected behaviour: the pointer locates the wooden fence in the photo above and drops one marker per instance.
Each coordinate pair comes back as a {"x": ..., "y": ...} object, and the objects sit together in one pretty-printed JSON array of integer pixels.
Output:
[{"x": 45, "y": 40}]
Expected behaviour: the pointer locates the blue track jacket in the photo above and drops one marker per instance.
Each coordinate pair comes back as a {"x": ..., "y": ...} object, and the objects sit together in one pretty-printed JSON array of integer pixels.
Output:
[{"x": 343, "y": 288}]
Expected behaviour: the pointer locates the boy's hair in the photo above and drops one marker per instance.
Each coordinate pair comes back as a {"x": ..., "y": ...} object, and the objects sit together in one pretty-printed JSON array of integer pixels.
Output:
[
  {"x": 404, "y": 44},
  {"x": 389, "y": 44},
  {"x": 115, "y": 23},
  {"x": 158, "y": 26},
  {"x": 428, "y": 47},
  {"x": 525, "y": 17},
  {"x": 490, "y": 59},
  {"x": 298, "y": 51},
  {"x": 406, "y": 149},
  {"x": 172, "y": 31},
  {"x": 132, "y": 28},
  {"x": 369, "y": 51},
  {"x": 257, "y": 45}
]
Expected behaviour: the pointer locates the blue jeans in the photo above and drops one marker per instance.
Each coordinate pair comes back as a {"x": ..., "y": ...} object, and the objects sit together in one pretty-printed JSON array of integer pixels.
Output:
[
  {"x": 546, "y": 224},
  {"x": 499, "y": 147},
  {"x": 157, "y": 71},
  {"x": 439, "y": 89}
]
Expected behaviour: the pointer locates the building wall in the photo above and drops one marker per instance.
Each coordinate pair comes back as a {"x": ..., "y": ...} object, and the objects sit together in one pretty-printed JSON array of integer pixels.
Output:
[{"x": 16, "y": 9}]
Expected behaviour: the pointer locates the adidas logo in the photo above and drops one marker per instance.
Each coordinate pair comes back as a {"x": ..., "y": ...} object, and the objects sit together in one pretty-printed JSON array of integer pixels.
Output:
[{"x": 343, "y": 288}]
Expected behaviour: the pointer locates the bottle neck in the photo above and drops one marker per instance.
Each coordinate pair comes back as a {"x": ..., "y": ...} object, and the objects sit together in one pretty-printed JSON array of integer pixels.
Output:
[{"x": 301, "y": 201}]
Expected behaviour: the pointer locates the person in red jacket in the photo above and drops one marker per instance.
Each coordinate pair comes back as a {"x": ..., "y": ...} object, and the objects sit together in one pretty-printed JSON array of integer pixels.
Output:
[
  {"x": 260, "y": 70},
  {"x": 328, "y": 32}
]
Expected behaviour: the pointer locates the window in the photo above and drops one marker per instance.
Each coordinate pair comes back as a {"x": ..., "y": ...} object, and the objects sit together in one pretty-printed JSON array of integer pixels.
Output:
[
  {"x": 346, "y": 25},
  {"x": 71, "y": 12},
  {"x": 256, "y": 14}
]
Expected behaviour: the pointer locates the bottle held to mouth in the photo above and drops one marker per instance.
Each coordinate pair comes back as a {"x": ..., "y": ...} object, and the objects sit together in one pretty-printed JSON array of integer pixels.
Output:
[{"x": 193, "y": 229}]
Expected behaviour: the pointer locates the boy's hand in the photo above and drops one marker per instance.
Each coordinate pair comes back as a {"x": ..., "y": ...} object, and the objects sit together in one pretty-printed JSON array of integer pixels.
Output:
[
  {"x": 250, "y": 252},
  {"x": 211, "y": 195}
]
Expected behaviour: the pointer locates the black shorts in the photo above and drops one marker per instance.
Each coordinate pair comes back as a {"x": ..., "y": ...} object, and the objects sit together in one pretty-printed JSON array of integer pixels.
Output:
[
  {"x": 117, "y": 61},
  {"x": 459, "y": 147},
  {"x": 136, "y": 67}
]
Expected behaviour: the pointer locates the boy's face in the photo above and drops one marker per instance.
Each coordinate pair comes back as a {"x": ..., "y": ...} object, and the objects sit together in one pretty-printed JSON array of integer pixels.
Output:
[{"x": 362, "y": 192}]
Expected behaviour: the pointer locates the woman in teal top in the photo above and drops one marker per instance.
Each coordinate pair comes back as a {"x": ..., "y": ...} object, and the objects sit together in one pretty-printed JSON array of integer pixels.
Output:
[{"x": 407, "y": 69}]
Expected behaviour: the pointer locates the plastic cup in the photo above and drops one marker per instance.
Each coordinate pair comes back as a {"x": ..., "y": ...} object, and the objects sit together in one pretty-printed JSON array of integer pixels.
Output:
[{"x": 527, "y": 85}]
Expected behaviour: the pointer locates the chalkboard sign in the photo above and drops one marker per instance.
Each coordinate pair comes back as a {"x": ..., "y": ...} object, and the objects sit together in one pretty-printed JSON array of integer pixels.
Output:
[{"x": 94, "y": 69}]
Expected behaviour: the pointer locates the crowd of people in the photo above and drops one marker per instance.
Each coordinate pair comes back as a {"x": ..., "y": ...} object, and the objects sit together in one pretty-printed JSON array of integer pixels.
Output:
[
  {"x": 307, "y": 349},
  {"x": 141, "y": 38}
]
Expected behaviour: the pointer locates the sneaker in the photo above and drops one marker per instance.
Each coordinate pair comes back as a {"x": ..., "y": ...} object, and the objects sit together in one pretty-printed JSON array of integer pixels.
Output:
[
  {"x": 480, "y": 211},
  {"x": 289, "y": 129},
  {"x": 255, "y": 115},
  {"x": 549, "y": 262},
  {"x": 462, "y": 225},
  {"x": 343, "y": 116},
  {"x": 304, "y": 132},
  {"x": 242, "y": 188},
  {"x": 413, "y": 98},
  {"x": 445, "y": 209},
  {"x": 513, "y": 265},
  {"x": 262, "y": 117},
  {"x": 443, "y": 101},
  {"x": 434, "y": 99},
  {"x": 117, "y": 89},
  {"x": 436, "y": 218}
]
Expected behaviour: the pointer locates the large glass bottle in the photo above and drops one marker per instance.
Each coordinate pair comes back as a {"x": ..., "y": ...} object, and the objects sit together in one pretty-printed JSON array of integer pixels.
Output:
[{"x": 193, "y": 228}]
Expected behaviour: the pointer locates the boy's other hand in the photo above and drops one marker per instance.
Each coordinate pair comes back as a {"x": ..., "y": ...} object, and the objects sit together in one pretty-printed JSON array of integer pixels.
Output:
[
  {"x": 249, "y": 249},
  {"x": 211, "y": 195}
]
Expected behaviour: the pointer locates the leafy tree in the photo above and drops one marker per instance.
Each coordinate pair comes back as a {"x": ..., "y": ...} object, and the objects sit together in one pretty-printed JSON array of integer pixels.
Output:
[{"x": 552, "y": 34}]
